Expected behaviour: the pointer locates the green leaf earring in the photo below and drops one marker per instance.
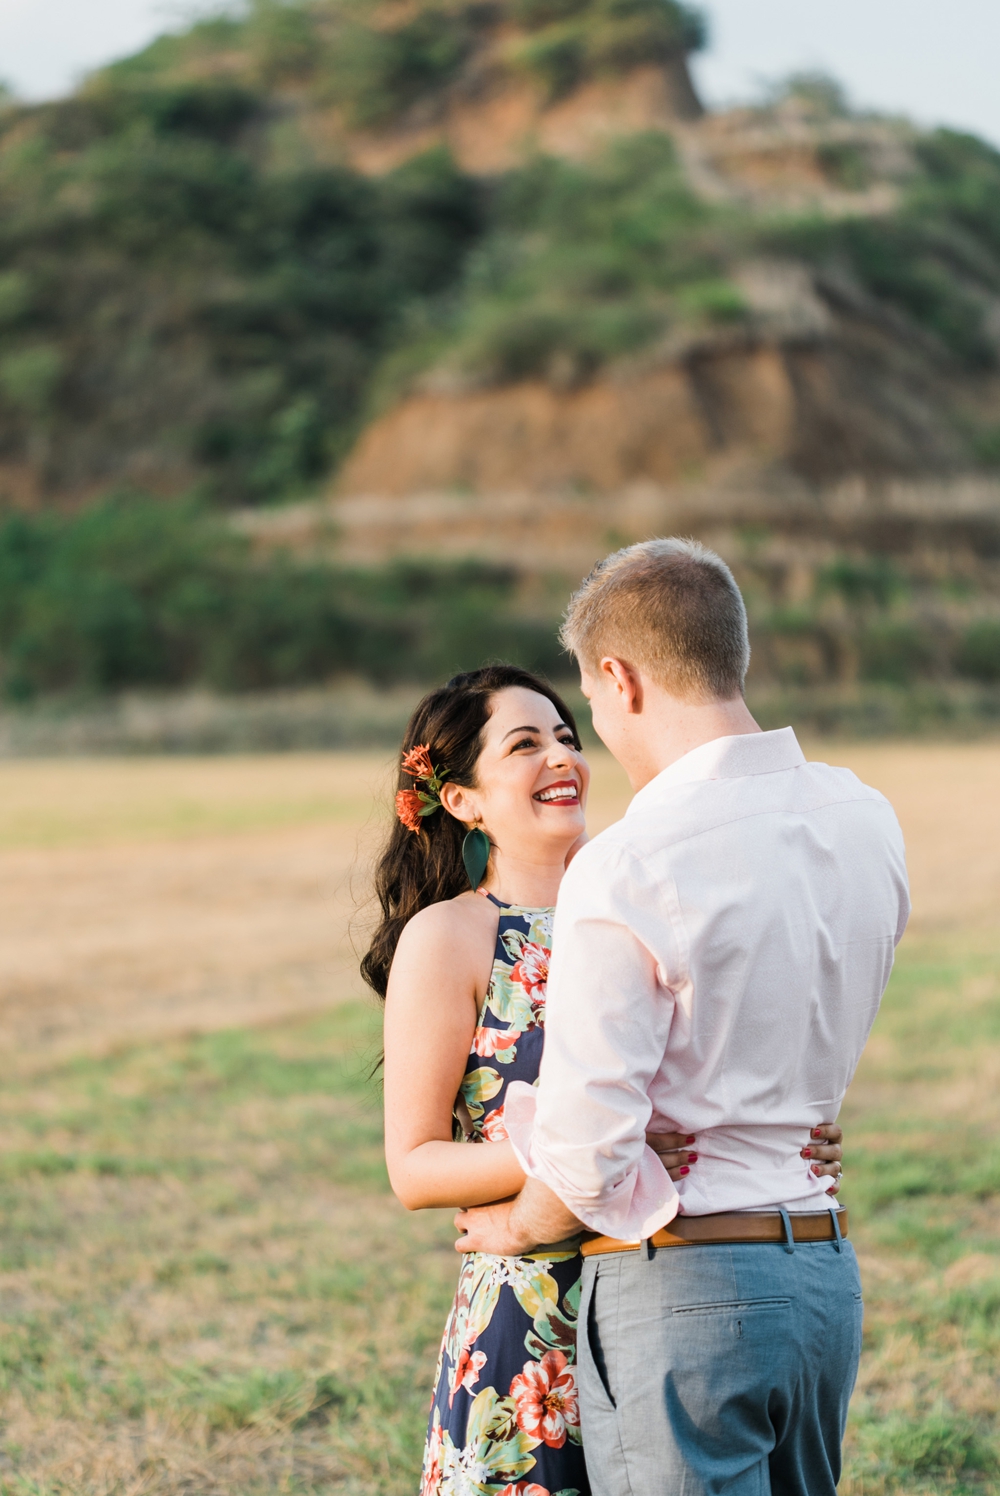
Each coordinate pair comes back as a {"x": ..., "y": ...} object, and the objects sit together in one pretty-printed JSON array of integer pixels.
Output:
[{"x": 476, "y": 855}]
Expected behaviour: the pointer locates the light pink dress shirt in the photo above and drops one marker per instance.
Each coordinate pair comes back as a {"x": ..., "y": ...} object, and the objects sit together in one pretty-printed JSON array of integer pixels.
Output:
[{"x": 718, "y": 959}]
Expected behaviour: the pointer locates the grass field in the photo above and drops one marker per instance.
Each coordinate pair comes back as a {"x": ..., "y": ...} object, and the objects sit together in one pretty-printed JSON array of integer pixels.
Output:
[{"x": 205, "y": 1286}]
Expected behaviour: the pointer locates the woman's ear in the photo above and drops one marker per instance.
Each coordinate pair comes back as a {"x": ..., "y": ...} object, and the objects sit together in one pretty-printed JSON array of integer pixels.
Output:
[{"x": 459, "y": 802}]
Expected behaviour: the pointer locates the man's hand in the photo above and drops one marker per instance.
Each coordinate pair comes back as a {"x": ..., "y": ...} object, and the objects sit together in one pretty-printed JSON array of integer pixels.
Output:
[
  {"x": 488, "y": 1228},
  {"x": 536, "y": 1218}
]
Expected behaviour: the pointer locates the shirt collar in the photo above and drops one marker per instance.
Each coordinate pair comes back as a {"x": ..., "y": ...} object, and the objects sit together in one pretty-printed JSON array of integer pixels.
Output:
[{"x": 726, "y": 758}]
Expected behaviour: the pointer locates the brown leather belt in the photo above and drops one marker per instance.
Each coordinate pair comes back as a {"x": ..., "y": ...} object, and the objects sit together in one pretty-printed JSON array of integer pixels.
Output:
[{"x": 731, "y": 1228}]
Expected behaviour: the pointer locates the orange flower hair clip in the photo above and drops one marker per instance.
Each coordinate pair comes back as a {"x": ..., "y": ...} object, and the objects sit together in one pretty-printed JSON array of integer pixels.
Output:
[{"x": 413, "y": 805}]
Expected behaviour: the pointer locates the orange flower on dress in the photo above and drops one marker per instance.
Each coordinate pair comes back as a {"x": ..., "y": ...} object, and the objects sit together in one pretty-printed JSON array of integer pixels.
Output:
[
  {"x": 494, "y": 1128},
  {"x": 433, "y": 1473},
  {"x": 418, "y": 762},
  {"x": 466, "y": 1374},
  {"x": 487, "y": 1041},
  {"x": 545, "y": 1398},
  {"x": 408, "y": 808},
  {"x": 532, "y": 971}
]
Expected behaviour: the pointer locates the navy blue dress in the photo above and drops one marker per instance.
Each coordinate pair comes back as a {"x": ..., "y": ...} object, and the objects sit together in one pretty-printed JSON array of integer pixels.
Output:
[{"x": 504, "y": 1418}]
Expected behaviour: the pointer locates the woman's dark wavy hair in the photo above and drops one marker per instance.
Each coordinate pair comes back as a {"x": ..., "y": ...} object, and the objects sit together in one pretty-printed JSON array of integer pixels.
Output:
[{"x": 424, "y": 867}]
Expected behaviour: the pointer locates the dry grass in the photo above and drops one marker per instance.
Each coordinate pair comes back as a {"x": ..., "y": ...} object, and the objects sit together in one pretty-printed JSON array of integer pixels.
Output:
[{"x": 205, "y": 1286}]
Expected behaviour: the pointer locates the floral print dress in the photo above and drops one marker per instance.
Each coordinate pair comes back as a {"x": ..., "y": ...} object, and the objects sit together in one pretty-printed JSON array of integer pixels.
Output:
[{"x": 504, "y": 1418}]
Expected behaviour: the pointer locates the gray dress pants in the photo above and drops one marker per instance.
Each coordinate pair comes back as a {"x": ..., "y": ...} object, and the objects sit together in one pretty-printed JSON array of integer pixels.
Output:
[{"x": 718, "y": 1369}]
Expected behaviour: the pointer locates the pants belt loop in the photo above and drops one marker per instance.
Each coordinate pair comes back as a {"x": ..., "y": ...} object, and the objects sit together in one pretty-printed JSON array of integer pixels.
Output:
[
  {"x": 646, "y": 1246},
  {"x": 786, "y": 1223},
  {"x": 837, "y": 1238}
]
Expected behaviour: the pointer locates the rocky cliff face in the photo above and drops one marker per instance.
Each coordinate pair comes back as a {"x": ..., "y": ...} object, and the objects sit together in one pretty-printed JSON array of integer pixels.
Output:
[
  {"x": 818, "y": 376},
  {"x": 491, "y": 121},
  {"x": 849, "y": 395}
]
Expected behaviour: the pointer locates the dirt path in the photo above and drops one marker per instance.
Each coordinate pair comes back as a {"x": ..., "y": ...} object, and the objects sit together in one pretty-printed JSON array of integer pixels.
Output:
[{"x": 161, "y": 896}]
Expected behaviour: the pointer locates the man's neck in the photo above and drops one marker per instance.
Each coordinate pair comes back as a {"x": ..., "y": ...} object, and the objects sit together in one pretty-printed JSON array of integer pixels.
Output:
[{"x": 669, "y": 727}]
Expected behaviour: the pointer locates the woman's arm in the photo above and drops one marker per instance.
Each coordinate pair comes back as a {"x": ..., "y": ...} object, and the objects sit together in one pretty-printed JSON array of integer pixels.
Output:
[{"x": 438, "y": 979}]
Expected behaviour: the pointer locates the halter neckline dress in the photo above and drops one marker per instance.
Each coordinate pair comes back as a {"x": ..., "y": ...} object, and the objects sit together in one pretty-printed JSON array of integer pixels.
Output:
[{"x": 504, "y": 1418}]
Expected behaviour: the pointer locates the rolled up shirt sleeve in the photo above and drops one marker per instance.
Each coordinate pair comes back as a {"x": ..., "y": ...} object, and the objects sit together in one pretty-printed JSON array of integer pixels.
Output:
[{"x": 609, "y": 1009}]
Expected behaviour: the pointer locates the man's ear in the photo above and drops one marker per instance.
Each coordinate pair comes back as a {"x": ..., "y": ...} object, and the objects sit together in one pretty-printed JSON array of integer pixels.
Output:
[
  {"x": 625, "y": 682},
  {"x": 459, "y": 802}
]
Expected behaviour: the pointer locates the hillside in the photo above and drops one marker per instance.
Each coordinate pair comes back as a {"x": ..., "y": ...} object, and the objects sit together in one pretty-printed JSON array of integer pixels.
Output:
[
  {"x": 505, "y": 224},
  {"x": 480, "y": 286},
  {"x": 200, "y": 273}
]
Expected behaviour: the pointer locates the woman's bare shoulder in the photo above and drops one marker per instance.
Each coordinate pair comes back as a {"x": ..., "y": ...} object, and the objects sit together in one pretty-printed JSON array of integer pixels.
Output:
[{"x": 458, "y": 924}]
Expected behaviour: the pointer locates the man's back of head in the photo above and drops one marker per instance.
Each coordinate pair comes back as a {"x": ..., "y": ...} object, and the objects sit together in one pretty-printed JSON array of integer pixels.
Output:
[
  {"x": 659, "y": 630},
  {"x": 671, "y": 608}
]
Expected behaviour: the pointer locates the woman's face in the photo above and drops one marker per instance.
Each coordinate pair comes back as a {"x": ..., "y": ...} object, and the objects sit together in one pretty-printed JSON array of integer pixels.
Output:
[{"x": 531, "y": 781}]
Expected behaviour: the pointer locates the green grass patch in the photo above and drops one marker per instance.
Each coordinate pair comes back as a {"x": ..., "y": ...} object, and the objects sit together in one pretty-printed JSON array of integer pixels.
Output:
[
  {"x": 923, "y": 1185},
  {"x": 252, "y": 1305},
  {"x": 255, "y": 1315}
]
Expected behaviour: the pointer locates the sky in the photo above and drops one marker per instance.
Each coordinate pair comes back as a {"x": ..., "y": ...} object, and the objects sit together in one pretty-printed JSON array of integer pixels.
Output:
[{"x": 933, "y": 61}]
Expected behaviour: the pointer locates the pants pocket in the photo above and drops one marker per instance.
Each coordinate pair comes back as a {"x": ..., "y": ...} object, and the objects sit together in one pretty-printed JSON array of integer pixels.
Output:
[
  {"x": 595, "y": 1347},
  {"x": 730, "y": 1306}
]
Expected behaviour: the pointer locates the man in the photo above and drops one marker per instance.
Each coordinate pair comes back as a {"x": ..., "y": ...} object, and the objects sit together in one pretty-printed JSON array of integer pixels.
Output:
[{"x": 718, "y": 959}]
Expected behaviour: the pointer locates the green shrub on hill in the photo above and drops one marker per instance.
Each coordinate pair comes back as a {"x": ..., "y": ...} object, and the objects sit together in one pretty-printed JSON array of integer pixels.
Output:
[
  {"x": 569, "y": 41},
  {"x": 135, "y": 591},
  {"x": 937, "y": 258},
  {"x": 162, "y": 294},
  {"x": 377, "y": 73},
  {"x": 581, "y": 264}
]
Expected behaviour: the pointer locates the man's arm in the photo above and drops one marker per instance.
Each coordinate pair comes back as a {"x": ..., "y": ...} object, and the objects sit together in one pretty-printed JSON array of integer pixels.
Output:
[
  {"x": 534, "y": 1218},
  {"x": 537, "y": 1217}
]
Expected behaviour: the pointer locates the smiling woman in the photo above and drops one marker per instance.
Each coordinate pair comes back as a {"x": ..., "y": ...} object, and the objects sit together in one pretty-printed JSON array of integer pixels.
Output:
[{"x": 494, "y": 752}]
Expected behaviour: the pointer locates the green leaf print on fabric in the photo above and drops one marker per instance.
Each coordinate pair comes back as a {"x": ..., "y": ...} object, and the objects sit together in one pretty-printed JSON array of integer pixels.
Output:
[
  {"x": 496, "y": 1450},
  {"x": 552, "y": 1330},
  {"x": 479, "y": 1086},
  {"x": 479, "y": 1287},
  {"x": 533, "y": 1286},
  {"x": 513, "y": 943},
  {"x": 509, "y": 1002}
]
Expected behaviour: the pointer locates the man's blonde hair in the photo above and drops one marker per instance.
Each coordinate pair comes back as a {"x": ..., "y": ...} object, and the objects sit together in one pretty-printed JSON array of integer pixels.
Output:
[{"x": 670, "y": 608}]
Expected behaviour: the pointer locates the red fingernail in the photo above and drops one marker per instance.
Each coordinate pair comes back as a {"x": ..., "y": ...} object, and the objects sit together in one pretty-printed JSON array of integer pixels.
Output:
[
  {"x": 807, "y": 1153},
  {"x": 817, "y": 1132},
  {"x": 692, "y": 1158},
  {"x": 685, "y": 1169},
  {"x": 815, "y": 1168},
  {"x": 690, "y": 1139}
]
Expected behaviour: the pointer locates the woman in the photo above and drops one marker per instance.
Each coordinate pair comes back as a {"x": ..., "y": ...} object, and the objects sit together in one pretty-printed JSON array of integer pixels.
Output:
[{"x": 490, "y": 810}]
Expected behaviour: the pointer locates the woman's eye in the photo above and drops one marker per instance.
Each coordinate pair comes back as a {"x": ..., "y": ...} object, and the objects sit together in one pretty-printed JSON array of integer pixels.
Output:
[{"x": 524, "y": 743}]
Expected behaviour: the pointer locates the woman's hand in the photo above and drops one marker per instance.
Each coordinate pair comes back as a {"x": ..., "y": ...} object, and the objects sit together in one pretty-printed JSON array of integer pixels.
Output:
[
  {"x": 672, "y": 1148},
  {"x": 826, "y": 1153},
  {"x": 824, "y": 1149}
]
